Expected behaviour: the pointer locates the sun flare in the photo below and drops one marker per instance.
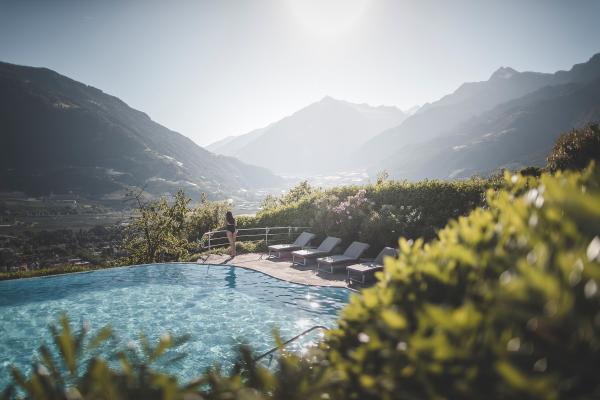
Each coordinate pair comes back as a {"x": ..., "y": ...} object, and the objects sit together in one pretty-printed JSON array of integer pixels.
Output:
[{"x": 328, "y": 17}]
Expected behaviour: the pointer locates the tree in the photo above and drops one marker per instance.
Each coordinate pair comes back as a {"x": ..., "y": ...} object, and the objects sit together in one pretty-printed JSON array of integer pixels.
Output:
[
  {"x": 382, "y": 177},
  {"x": 575, "y": 150},
  {"x": 298, "y": 192},
  {"x": 158, "y": 230},
  {"x": 270, "y": 202},
  {"x": 207, "y": 216}
]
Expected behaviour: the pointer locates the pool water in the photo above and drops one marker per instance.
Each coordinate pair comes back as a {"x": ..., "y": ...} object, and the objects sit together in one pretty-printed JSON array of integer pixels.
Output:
[{"x": 219, "y": 306}]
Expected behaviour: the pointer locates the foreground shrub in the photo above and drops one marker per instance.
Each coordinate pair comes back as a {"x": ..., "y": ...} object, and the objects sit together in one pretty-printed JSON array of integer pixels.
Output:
[
  {"x": 504, "y": 304},
  {"x": 575, "y": 150},
  {"x": 78, "y": 366}
]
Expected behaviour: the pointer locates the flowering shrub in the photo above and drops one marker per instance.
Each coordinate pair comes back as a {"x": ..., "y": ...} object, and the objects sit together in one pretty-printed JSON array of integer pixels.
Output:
[
  {"x": 349, "y": 215},
  {"x": 377, "y": 214},
  {"x": 353, "y": 206},
  {"x": 384, "y": 226}
]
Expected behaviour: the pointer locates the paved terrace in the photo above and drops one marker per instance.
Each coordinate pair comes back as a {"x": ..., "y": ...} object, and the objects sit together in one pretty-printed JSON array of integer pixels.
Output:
[{"x": 280, "y": 268}]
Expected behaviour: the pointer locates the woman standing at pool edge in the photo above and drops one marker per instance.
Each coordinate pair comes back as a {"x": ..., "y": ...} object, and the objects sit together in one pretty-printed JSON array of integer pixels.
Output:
[{"x": 231, "y": 232}]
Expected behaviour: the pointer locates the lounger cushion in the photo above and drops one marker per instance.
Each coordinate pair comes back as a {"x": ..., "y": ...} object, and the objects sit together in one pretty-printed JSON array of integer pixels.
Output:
[
  {"x": 284, "y": 247},
  {"x": 303, "y": 239},
  {"x": 386, "y": 252},
  {"x": 337, "y": 259},
  {"x": 329, "y": 244},
  {"x": 309, "y": 253},
  {"x": 365, "y": 267},
  {"x": 355, "y": 250}
]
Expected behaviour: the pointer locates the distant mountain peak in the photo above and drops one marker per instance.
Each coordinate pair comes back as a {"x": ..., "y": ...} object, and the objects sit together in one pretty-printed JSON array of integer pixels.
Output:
[
  {"x": 328, "y": 98},
  {"x": 412, "y": 110},
  {"x": 503, "y": 73},
  {"x": 330, "y": 122}
]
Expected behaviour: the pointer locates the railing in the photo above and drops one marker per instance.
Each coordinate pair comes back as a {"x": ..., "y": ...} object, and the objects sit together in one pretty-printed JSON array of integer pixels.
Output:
[
  {"x": 271, "y": 234},
  {"x": 274, "y": 349}
]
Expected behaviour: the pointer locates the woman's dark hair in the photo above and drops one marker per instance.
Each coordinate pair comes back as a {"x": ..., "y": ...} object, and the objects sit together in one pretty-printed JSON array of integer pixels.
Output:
[{"x": 229, "y": 217}]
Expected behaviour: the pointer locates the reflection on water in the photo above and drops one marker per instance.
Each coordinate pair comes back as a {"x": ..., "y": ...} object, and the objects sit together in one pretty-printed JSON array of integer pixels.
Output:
[{"x": 230, "y": 278}]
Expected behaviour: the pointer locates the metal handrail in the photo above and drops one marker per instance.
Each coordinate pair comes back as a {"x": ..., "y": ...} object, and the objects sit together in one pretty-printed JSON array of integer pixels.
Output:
[
  {"x": 266, "y": 233},
  {"x": 274, "y": 349}
]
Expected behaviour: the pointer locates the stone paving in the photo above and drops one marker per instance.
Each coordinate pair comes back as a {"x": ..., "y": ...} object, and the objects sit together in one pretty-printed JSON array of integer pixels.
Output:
[{"x": 280, "y": 268}]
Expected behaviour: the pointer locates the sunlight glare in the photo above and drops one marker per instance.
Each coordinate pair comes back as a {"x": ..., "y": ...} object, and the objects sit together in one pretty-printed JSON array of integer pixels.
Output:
[{"x": 328, "y": 17}]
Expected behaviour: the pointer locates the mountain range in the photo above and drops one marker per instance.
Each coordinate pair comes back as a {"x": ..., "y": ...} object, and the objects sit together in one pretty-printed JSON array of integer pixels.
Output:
[
  {"x": 315, "y": 139},
  {"x": 58, "y": 135},
  {"x": 513, "y": 135},
  {"x": 510, "y": 120}
]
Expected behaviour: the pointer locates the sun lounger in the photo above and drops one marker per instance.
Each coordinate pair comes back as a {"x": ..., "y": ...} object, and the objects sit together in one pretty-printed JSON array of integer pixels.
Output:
[
  {"x": 360, "y": 272},
  {"x": 351, "y": 255},
  {"x": 324, "y": 249},
  {"x": 301, "y": 242}
]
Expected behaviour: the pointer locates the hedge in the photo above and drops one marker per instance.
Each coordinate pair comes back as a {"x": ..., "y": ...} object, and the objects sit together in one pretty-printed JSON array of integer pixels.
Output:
[{"x": 380, "y": 213}]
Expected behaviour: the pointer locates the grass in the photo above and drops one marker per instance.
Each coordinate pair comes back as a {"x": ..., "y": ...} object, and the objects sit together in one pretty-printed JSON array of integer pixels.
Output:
[
  {"x": 63, "y": 269},
  {"x": 257, "y": 246},
  {"x": 242, "y": 248}
]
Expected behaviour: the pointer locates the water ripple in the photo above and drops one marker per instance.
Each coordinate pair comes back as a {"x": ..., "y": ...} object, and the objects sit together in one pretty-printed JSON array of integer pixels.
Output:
[{"x": 219, "y": 306}]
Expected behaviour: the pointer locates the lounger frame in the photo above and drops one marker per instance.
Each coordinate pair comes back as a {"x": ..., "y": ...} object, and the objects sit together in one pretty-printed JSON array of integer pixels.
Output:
[
  {"x": 293, "y": 246},
  {"x": 374, "y": 266},
  {"x": 325, "y": 248}
]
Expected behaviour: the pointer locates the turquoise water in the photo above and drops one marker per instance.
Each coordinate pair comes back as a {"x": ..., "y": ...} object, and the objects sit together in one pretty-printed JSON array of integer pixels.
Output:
[{"x": 219, "y": 306}]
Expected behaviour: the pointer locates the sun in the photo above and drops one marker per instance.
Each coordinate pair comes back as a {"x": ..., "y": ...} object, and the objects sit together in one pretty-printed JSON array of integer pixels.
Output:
[{"x": 328, "y": 17}]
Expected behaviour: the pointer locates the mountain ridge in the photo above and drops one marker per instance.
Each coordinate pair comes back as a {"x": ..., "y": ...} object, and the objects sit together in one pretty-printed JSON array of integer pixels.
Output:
[
  {"x": 470, "y": 100},
  {"x": 85, "y": 140},
  {"x": 310, "y": 134},
  {"x": 512, "y": 135}
]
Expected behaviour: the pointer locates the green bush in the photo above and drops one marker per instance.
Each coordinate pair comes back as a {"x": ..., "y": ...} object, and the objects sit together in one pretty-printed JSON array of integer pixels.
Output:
[
  {"x": 377, "y": 214},
  {"x": 205, "y": 217},
  {"x": 77, "y": 366},
  {"x": 575, "y": 150},
  {"x": 62, "y": 269},
  {"x": 504, "y": 304},
  {"x": 170, "y": 231},
  {"x": 158, "y": 232}
]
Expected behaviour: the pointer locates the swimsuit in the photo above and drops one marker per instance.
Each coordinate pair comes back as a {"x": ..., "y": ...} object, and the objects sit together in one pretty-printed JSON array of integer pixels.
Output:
[{"x": 231, "y": 228}]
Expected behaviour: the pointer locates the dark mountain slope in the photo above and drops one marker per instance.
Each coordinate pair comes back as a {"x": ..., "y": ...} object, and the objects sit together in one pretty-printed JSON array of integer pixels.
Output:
[
  {"x": 515, "y": 134},
  {"x": 58, "y": 135},
  {"x": 470, "y": 100}
]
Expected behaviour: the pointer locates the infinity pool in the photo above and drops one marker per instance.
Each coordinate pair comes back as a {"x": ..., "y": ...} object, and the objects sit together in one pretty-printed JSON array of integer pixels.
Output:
[{"x": 219, "y": 306}]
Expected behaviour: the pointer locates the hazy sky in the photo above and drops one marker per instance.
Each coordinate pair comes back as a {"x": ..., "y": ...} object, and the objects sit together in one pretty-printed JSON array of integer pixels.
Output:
[{"x": 209, "y": 69}]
